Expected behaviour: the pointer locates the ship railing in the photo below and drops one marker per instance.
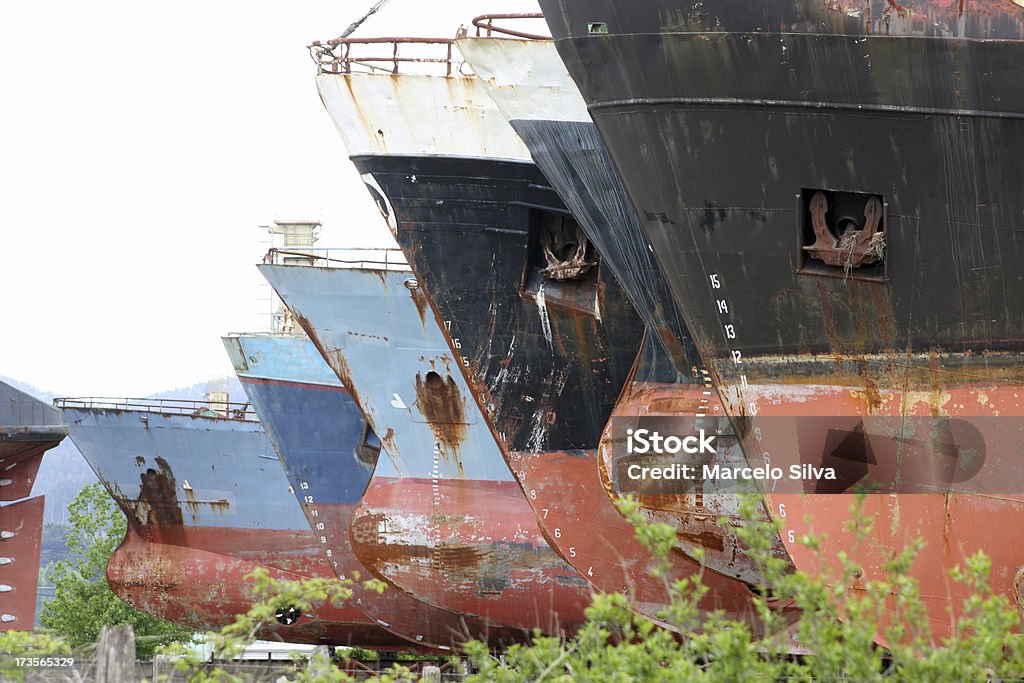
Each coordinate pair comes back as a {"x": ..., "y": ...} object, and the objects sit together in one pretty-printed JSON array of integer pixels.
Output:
[
  {"x": 228, "y": 410},
  {"x": 345, "y": 257},
  {"x": 485, "y": 27},
  {"x": 383, "y": 55}
]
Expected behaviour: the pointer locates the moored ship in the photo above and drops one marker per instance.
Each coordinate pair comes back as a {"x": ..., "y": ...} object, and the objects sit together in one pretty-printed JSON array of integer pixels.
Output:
[
  {"x": 446, "y": 522},
  {"x": 545, "y": 336},
  {"x": 329, "y": 453},
  {"x": 207, "y": 502},
  {"x": 833, "y": 191},
  {"x": 530, "y": 85}
]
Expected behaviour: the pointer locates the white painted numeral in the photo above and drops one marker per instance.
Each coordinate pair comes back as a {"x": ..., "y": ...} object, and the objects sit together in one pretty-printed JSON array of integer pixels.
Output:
[
  {"x": 307, "y": 499},
  {"x": 572, "y": 552},
  {"x": 714, "y": 281},
  {"x": 792, "y": 536},
  {"x": 456, "y": 342},
  {"x": 545, "y": 511},
  {"x": 319, "y": 526},
  {"x": 782, "y": 510},
  {"x": 323, "y": 539},
  {"x": 590, "y": 571},
  {"x": 448, "y": 325},
  {"x": 558, "y": 533},
  {"x": 533, "y": 494},
  {"x": 752, "y": 408},
  {"x": 730, "y": 331},
  {"x": 743, "y": 381},
  {"x": 737, "y": 357},
  {"x": 304, "y": 486},
  {"x": 314, "y": 512},
  {"x": 465, "y": 361},
  {"x": 722, "y": 306}
]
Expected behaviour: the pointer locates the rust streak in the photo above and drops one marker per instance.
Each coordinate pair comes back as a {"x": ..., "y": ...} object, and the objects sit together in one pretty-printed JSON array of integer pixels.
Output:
[{"x": 444, "y": 409}]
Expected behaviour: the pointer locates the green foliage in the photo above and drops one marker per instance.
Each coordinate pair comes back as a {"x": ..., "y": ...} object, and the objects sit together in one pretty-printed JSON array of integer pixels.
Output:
[
  {"x": 837, "y": 629},
  {"x": 83, "y": 602},
  {"x": 268, "y": 595},
  {"x": 26, "y": 644},
  {"x": 834, "y": 639}
]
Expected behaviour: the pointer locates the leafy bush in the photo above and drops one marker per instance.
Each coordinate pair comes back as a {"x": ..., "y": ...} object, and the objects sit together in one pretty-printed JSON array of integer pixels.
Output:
[{"x": 83, "y": 602}]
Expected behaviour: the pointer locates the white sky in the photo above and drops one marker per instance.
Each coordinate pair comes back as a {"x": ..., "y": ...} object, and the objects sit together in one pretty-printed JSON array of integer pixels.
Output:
[{"x": 141, "y": 144}]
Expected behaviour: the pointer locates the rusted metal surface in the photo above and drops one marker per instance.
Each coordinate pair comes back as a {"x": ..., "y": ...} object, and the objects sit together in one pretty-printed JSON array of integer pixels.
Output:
[
  {"x": 705, "y": 518},
  {"x": 207, "y": 502},
  {"x": 485, "y": 26},
  {"x": 850, "y": 248},
  {"x": 444, "y": 408},
  {"x": 687, "y": 88},
  {"x": 21, "y": 531},
  {"x": 28, "y": 428},
  {"x": 920, "y": 500},
  {"x": 317, "y": 429},
  {"x": 545, "y": 370},
  {"x": 335, "y": 56},
  {"x": 523, "y": 78},
  {"x": 368, "y": 125},
  {"x": 201, "y": 588},
  {"x": 19, "y": 463},
  {"x": 442, "y": 519}
]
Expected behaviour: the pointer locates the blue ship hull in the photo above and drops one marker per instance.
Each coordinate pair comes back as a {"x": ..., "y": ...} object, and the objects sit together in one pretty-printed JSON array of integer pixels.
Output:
[
  {"x": 329, "y": 454},
  {"x": 207, "y": 502},
  {"x": 453, "y": 528}
]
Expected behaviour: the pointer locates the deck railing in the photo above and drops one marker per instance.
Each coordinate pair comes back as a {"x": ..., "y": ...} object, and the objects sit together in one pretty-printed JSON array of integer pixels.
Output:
[
  {"x": 485, "y": 27},
  {"x": 357, "y": 258},
  {"x": 227, "y": 410},
  {"x": 336, "y": 56}
]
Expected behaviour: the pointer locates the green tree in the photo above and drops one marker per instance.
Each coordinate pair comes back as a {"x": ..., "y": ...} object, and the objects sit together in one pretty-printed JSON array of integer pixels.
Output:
[{"x": 83, "y": 602}]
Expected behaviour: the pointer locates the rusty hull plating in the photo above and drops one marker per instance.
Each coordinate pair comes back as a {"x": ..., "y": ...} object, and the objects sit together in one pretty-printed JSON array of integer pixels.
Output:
[
  {"x": 766, "y": 164},
  {"x": 207, "y": 502},
  {"x": 329, "y": 457},
  {"x": 442, "y": 519},
  {"x": 528, "y": 82},
  {"x": 28, "y": 428},
  {"x": 546, "y": 357}
]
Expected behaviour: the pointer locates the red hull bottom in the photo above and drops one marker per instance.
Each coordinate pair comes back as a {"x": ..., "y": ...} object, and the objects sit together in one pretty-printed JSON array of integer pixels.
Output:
[
  {"x": 581, "y": 522},
  {"x": 25, "y": 520},
  {"x": 986, "y": 517},
  {"x": 19, "y": 463},
  {"x": 469, "y": 546},
  {"x": 204, "y": 586},
  {"x": 421, "y": 624},
  {"x": 704, "y": 522}
]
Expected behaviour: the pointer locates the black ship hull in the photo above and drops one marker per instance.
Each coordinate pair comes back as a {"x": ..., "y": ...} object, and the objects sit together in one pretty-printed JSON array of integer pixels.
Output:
[
  {"x": 668, "y": 378},
  {"x": 546, "y": 358},
  {"x": 835, "y": 198}
]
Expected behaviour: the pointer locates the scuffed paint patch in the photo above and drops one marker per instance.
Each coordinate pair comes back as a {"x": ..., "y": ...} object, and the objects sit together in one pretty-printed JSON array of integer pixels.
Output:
[{"x": 545, "y": 320}]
